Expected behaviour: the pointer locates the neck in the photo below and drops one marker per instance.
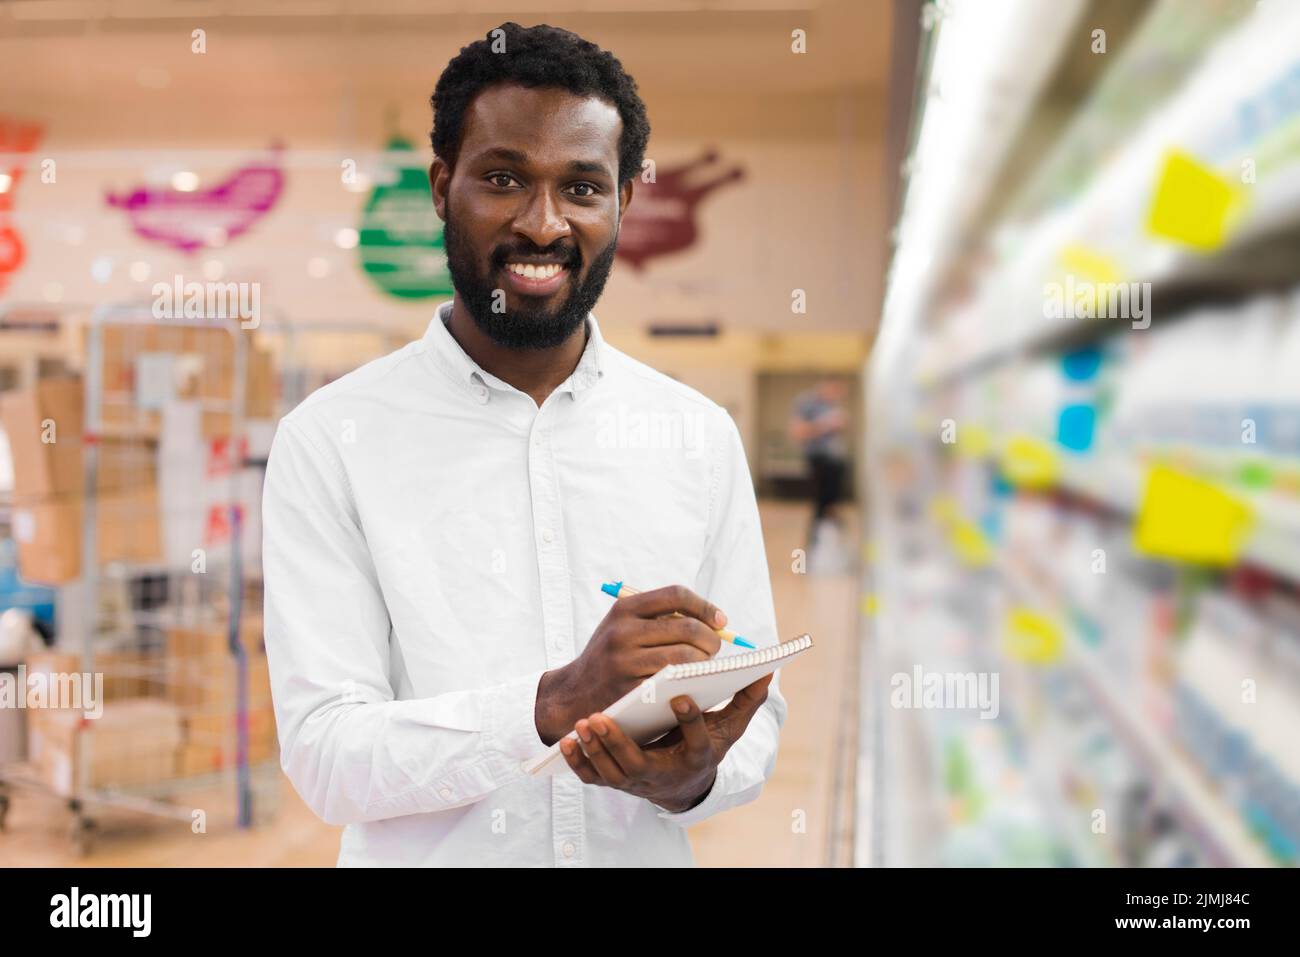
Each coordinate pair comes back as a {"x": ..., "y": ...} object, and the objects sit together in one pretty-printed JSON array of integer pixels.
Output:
[{"x": 536, "y": 372}]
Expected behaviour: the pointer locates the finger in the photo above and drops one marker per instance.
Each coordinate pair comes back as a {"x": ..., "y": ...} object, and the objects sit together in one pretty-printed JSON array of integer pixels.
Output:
[
  {"x": 677, "y": 631},
  {"x": 674, "y": 598},
  {"x": 695, "y": 733},
  {"x": 622, "y": 749},
  {"x": 578, "y": 762},
  {"x": 650, "y": 661},
  {"x": 600, "y": 758}
]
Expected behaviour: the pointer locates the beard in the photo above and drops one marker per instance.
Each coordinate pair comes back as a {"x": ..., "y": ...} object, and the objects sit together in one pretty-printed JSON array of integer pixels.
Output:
[{"x": 530, "y": 326}]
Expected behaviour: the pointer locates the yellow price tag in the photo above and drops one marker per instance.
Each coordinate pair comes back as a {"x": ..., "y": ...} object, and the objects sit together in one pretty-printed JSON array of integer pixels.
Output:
[
  {"x": 1028, "y": 462},
  {"x": 1193, "y": 204},
  {"x": 1033, "y": 637},
  {"x": 1189, "y": 519}
]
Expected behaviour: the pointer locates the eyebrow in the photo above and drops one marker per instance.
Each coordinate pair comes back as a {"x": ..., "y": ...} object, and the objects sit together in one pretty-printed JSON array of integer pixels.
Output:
[{"x": 521, "y": 159}]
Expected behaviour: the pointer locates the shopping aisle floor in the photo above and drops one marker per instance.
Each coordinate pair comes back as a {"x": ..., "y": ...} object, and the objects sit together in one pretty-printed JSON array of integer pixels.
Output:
[{"x": 790, "y": 825}]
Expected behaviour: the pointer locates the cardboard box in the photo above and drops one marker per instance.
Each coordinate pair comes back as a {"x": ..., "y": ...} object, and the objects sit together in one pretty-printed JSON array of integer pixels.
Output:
[
  {"x": 209, "y": 759},
  {"x": 48, "y": 532},
  {"x": 202, "y": 367},
  {"x": 125, "y": 463},
  {"x": 44, "y": 427},
  {"x": 208, "y": 683},
  {"x": 212, "y": 639},
  {"x": 130, "y": 674},
  {"x": 216, "y": 726},
  {"x": 46, "y": 436},
  {"x": 212, "y": 739},
  {"x": 51, "y": 669},
  {"x": 259, "y": 394},
  {"x": 134, "y": 744},
  {"x": 259, "y": 382}
]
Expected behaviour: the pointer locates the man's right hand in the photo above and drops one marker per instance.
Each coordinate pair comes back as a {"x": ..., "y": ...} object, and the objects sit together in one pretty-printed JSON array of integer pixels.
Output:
[{"x": 632, "y": 643}]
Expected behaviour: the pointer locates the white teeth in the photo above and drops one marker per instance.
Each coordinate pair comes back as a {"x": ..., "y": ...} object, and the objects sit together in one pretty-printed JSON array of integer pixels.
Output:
[{"x": 530, "y": 271}]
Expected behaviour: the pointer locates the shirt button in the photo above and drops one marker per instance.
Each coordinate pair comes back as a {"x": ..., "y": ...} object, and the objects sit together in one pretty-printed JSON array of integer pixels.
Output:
[
  {"x": 445, "y": 794},
  {"x": 482, "y": 393},
  {"x": 548, "y": 535},
  {"x": 569, "y": 849}
]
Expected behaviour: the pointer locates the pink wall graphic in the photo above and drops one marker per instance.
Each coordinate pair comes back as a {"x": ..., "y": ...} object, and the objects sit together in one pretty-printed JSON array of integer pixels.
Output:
[{"x": 204, "y": 218}]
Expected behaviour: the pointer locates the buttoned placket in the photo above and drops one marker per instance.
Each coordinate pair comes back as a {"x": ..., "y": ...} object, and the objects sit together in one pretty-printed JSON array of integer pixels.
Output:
[
  {"x": 567, "y": 812},
  {"x": 568, "y": 826}
]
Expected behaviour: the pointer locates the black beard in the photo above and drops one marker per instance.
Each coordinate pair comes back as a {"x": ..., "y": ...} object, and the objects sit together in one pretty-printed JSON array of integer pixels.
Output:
[{"x": 527, "y": 327}]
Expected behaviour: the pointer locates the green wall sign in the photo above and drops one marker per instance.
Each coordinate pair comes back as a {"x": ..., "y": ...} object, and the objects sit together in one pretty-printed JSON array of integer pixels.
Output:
[{"x": 400, "y": 235}]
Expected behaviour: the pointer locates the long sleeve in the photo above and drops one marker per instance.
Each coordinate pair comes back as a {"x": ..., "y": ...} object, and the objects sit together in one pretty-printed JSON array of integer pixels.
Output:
[
  {"x": 734, "y": 576},
  {"x": 353, "y": 752}
]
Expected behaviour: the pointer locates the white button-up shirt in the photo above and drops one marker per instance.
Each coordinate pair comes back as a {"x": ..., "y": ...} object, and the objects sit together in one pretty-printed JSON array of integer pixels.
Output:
[{"x": 434, "y": 542}]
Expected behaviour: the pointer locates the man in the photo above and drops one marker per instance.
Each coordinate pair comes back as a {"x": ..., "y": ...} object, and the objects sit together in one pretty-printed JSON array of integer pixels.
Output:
[
  {"x": 819, "y": 424},
  {"x": 438, "y": 523}
]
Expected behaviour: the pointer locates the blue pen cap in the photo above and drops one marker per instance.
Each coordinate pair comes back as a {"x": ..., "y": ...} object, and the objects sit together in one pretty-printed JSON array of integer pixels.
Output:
[{"x": 612, "y": 589}]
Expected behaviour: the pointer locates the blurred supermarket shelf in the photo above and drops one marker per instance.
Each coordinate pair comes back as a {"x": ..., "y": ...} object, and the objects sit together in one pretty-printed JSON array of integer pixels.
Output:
[
  {"x": 1199, "y": 805},
  {"x": 1229, "y": 112},
  {"x": 1274, "y": 542}
]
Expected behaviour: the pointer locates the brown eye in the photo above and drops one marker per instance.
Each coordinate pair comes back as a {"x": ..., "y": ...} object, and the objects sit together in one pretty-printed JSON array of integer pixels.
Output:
[
  {"x": 591, "y": 190},
  {"x": 502, "y": 180}
]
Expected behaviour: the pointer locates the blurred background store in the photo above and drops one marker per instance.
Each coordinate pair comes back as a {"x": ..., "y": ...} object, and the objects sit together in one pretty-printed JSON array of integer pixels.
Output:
[{"x": 1009, "y": 287}]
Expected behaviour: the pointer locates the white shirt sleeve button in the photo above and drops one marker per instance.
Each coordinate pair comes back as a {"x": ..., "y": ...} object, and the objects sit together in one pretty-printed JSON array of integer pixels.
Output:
[
  {"x": 548, "y": 535},
  {"x": 568, "y": 849},
  {"x": 445, "y": 794}
]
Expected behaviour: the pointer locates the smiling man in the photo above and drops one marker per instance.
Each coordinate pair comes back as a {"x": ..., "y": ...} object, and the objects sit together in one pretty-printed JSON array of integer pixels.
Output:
[{"x": 437, "y": 524}]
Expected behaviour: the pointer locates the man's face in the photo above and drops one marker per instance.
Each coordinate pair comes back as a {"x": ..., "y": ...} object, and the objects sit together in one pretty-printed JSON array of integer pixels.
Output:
[{"x": 531, "y": 211}]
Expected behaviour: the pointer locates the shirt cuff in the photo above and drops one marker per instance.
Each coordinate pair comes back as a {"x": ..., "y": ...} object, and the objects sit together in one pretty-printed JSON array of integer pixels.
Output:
[
  {"x": 712, "y": 803},
  {"x": 512, "y": 719}
]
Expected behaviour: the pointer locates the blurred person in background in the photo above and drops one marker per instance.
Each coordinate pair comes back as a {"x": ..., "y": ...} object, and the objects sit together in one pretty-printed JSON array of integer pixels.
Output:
[{"x": 819, "y": 423}]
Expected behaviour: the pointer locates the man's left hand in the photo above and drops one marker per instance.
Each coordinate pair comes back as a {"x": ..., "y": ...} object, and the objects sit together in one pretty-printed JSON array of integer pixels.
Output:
[{"x": 677, "y": 771}]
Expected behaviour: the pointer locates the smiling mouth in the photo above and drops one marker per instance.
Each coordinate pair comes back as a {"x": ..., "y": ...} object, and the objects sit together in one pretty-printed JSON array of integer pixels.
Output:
[{"x": 535, "y": 279}]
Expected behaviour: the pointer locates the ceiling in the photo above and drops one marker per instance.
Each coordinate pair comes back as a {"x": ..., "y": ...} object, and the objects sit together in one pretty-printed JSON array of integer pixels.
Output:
[{"x": 116, "y": 84}]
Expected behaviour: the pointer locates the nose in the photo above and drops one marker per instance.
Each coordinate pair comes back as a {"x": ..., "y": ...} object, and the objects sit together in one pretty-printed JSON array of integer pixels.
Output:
[{"x": 541, "y": 220}]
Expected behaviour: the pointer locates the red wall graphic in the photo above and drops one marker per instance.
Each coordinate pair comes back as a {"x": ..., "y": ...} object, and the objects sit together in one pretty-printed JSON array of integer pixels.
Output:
[
  {"x": 661, "y": 217},
  {"x": 17, "y": 139}
]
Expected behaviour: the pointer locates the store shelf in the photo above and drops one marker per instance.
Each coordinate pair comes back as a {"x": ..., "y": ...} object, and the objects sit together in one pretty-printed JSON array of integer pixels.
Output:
[
  {"x": 1274, "y": 544},
  {"x": 1240, "y": 76},
  {"x": 1206, "y": 814},
  {"x": 1204, "y": 811},
  {"x": 1117, "y": 484}
]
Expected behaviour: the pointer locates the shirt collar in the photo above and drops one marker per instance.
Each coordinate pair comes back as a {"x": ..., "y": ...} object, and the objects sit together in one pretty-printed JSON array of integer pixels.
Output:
[{"x": 468, "y": 373}]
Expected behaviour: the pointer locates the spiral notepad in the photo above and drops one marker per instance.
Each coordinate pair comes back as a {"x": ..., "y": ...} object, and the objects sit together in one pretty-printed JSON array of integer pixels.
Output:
[{"x": 645, "y": 712}]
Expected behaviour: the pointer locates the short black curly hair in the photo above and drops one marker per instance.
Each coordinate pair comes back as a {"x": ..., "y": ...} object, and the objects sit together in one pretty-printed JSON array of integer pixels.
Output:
[{"x": 540, "y": 56}]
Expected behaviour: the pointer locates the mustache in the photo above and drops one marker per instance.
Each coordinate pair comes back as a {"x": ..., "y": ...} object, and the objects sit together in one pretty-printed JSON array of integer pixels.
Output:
[{"x": 565, "y": 256}]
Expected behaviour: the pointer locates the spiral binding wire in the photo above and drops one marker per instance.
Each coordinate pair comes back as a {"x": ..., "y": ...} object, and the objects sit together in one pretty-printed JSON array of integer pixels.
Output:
[{"x": 715, "y": 666}]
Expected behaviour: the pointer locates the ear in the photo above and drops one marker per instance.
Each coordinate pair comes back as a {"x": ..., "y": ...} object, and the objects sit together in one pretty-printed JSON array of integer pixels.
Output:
[
  {"x": 624, "y": 197},
  {"x": 439, "y": 182}
]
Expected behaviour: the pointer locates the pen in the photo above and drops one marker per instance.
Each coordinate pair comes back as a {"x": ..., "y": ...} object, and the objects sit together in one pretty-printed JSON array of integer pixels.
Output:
[{"x": 619, "y": 590}]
